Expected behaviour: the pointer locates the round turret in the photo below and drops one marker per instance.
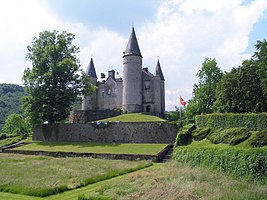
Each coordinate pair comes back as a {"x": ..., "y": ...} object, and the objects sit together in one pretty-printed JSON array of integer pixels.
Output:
[{"x": 132, "y": 77}]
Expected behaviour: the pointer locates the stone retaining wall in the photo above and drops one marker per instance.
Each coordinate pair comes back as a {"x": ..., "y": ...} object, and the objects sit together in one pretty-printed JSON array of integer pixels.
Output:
[{"x": 158, "y": 132}]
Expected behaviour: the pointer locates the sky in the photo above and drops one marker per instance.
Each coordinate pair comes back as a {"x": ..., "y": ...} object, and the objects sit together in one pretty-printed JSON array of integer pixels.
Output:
[{"x": 180, "y": 33}]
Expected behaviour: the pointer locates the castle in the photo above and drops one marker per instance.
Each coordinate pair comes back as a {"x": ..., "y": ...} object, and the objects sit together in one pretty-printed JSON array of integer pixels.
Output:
[{"x": 137, "y": 91}]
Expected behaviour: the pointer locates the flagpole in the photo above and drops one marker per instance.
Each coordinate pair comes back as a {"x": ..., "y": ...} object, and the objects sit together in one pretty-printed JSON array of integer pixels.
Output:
[{"x": 180, "y": 113}]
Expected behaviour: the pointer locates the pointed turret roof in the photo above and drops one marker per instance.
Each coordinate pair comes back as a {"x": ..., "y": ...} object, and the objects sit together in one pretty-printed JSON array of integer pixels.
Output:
[
  {"x": 90, "y": 71},
  {"x": 132, "y": 46},
  {"x": 158, "y": 72}
]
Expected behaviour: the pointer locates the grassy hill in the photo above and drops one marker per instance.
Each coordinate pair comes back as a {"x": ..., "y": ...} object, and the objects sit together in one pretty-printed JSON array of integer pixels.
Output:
[{"x": 134, "y": 117}]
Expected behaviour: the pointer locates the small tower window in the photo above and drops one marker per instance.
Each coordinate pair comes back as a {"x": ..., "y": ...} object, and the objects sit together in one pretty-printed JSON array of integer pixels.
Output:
[
  {"x": 147, "y": 85},
  {"x": 109, "y": 91}
]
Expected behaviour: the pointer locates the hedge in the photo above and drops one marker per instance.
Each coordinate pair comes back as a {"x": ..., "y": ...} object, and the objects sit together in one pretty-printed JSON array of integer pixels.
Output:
[
  {"x": 232, "y": 136},
  {"x": 259, "y": 139},
  {"x": 184, "y": 135},
  {"x": 244, "y": 163},
  {"x": 251, "y": 121}
]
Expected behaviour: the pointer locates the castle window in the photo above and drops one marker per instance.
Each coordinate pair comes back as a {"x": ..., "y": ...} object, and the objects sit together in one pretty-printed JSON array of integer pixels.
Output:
[
  {"x": 109, "y": 91},
  {"x": 103, "y": 92},
  {"x": 147, "y": 84},
  {"x": 148, "y": 109}
]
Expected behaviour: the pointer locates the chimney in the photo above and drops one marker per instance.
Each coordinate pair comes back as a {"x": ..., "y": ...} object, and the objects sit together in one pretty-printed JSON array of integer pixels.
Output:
[
  {"x": 111, "y": 73},
  {"x": 145, "y": 69}
]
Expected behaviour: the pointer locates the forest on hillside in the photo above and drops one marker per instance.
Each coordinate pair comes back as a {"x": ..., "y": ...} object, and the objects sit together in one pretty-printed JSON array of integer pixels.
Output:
[{"x": 10, "y": 100}]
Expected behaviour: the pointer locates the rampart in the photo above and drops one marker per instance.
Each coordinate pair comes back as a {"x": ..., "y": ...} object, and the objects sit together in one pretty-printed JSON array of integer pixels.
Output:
[{"x": 157, "y": 132}]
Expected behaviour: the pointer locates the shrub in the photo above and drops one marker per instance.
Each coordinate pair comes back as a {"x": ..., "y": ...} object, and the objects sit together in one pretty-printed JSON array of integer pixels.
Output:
[
  {"x": 3, "y": 136},
  {"x": 200, "y": 133},
  {"x": 245, "y": 163},
  {"x": 230, "y": 136},
  {"x": 259, "y": 139},
  {"x": 251, "y": 121},
  {"x": 184, "y": 136}
]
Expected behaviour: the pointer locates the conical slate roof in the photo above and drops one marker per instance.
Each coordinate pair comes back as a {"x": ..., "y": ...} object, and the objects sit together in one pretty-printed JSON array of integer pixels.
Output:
[
  {"x": 132, "y": 46},
  {"x": 158, "y": 72},
  {"x": 90, "y": 71}
]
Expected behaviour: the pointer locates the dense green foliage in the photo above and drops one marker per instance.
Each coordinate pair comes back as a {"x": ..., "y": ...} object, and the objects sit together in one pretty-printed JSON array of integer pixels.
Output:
[
  {"x": 251, "y": 121},
  {"x": 259, "y": 139},
  {"x": 55, "y": 79},
  {"x": 15, "y": 124},
  {"x": 200, "y": 133},
  {"x": 246, "y": 163},
  {"x": 232, "y": 136},
  {"x": 10, "y": 95},
  {"x": 204, "y": 93},
  {"x": 184, "y": 135},
  {"x": 244, "y": 89}
]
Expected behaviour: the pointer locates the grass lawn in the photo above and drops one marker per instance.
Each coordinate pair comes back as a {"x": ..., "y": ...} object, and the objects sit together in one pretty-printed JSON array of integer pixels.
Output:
[
  {"x": 41, "y": 176},
  {"x": 172, "y": 180},
  {"x": 9, "y": 141},
  {"x": 134, "y": 117},
  {"x": 83, "y": 147}
]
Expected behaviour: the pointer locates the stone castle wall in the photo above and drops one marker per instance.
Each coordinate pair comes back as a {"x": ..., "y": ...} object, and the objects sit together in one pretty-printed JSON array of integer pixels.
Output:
[
  {"x": 84, "y": 116},
  {"x": 160, "y": 132}
]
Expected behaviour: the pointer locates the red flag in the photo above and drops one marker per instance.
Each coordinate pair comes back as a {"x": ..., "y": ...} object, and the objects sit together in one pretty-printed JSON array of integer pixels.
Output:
[{"x": 182, "y": 101}]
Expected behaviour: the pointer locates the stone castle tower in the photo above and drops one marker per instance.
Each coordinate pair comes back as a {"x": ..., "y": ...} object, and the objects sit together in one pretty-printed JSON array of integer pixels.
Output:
[
  {"x": 132, "y": 77},
  {"x": 137, "y": 91}
]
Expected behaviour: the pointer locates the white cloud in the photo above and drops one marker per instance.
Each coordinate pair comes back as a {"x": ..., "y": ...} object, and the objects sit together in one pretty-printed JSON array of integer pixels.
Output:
[
  {"x": 182, "y": 35},
  {"x": 186, "y": 32}
]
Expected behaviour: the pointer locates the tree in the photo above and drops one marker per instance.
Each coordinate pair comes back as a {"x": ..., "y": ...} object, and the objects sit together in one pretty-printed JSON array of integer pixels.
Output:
[
  {"x": 55, "y": 79},
  {"x": 10, "y": 96},
  {"x": 260, "y": 57},
  {"x": 244, "y": 89},
  {"x": 204, "y": 93},
  {"x": 16, "y": 125}
]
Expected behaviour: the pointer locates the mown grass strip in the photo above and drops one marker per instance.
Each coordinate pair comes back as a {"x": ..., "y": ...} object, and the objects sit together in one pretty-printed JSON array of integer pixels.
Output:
[
  {"x": 84, "y": 147},
  {"x": 11, "y": 196},
  {"x": 9, "y": 141},
  {"x": 134, "y": 117}
]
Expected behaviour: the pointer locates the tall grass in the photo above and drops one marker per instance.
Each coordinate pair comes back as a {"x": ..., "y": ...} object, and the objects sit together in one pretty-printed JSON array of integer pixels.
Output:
[
  {"x": 43, "y": 176},
  {"x": 245, "y": 163},
  {"x": 175, "y": 180}
]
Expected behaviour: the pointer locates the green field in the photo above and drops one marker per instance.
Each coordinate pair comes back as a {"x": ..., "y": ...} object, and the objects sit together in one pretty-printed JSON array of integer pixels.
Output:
[
  {"x": 83, "y": 147},
  {"x": 171, "y": 180},
  {"x": 9, "y": 141},
  {"x": 134, "y": 117},
  {"x": 41, "y": 176}
]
